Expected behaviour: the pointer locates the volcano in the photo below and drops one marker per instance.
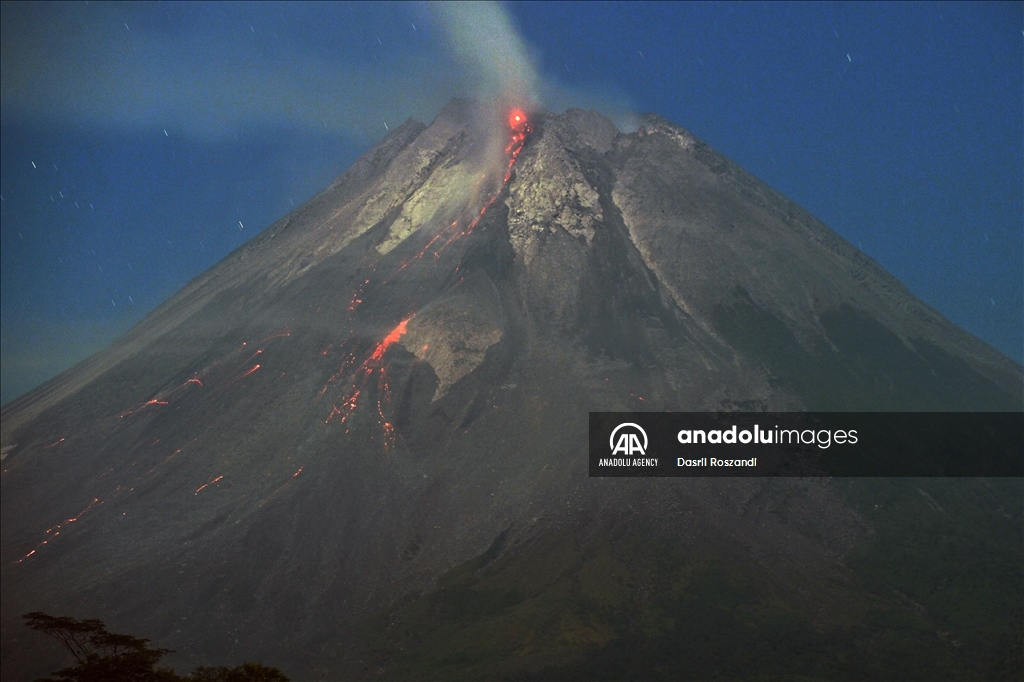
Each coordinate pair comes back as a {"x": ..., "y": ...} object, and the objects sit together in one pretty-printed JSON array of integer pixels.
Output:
[{"x": 357, "y": 446}]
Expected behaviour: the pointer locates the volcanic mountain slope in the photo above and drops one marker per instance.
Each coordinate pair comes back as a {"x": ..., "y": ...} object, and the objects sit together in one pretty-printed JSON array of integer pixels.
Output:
[{"x": 357, "y": 446}]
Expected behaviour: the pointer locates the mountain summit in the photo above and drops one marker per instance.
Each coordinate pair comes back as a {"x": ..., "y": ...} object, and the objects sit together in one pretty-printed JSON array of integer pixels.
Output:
[{"x": 358, "y": 445}]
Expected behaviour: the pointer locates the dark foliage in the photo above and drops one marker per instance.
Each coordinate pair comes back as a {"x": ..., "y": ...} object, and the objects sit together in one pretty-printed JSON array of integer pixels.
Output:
[
  {"x": 100, "y": 655},
  {"x": 108, "y": 657},
  {"x": 247, "y": 672}
]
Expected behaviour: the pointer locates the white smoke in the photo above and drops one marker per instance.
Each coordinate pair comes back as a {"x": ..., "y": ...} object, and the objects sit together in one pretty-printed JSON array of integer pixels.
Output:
[
  {"x": 484, "y": 38},
  {"x": 231, "y": 69},
  {"x": 216, "y": 70},
  {"x": 504, "y": 71}
]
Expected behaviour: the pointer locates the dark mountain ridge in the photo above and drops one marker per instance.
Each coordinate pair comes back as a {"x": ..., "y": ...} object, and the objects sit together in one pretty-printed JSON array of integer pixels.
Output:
[{"x": 357, "y": 445}]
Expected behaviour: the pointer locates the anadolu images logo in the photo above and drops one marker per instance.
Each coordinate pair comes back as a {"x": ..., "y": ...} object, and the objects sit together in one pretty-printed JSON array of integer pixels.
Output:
[{"x": 628, "y": 442}]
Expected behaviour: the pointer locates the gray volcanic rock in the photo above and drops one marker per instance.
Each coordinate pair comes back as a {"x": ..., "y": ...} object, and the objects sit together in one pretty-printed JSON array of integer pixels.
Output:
[{"x": 393, "y": 382}]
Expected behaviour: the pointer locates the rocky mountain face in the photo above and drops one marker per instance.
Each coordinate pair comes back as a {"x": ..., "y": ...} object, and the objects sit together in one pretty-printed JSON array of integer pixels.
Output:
[{"x": 357, "y": 447}]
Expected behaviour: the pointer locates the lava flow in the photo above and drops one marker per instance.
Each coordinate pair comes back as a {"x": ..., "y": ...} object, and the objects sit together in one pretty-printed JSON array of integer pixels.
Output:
[
  {"x": 208, "y": 483},
  {"x": 194, "y": 381},
  {"x": 54, "y": 531},
  {"x": 374, "y": 366},
  {"x": 520, "y": 128}
]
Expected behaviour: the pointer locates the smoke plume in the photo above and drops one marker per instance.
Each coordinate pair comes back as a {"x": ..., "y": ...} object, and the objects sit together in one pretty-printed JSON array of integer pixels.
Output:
[{"x": 484, "y": 38}]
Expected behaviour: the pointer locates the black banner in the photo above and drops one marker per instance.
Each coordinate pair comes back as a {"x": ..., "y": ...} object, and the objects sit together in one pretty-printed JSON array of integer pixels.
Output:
[{"x": 806, "y": 444}]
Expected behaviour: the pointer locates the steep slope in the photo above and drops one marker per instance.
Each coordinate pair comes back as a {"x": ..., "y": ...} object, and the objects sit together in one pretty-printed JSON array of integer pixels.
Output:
[{"x": 379, "y": 406}]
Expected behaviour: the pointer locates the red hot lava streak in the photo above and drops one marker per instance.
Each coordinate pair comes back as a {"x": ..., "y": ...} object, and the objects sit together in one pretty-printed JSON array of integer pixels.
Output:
[
  {"x": 521, "y": 128},
  {"x": 389, "y": 340},
  {"x": 54, "y": 531},
  {"x": 374, "y": 365}
]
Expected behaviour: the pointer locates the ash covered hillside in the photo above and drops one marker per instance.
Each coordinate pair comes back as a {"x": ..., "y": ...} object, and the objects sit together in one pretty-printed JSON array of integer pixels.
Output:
[{"x": 357, "y": 446}]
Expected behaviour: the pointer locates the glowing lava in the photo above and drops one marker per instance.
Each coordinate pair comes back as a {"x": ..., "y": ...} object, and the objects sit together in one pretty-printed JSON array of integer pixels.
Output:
[
  {"x": 283, "y": 485},
  {"x": 154, "y": 401},
  {"x": 374, "y": 366},
  {"x": 281, "y": 333},
  {"x": 517, "y": 120},
  {"x": 208, "y": 483},
  {"x": 240, "y": 377},
  {"x": 521, "y": 129},
  {"x": 54, "y": 531},
  {"x": 389, "y": 340},
  {"x": 194, "y": 381}
]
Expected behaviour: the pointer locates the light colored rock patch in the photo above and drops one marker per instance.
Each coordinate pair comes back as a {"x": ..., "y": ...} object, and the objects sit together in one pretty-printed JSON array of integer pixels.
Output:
[
  {"x": 331, "y": 232},
  {"x": 549, "y": 192},
  {"x": 681, "y": 137},
  {"x": 453, "y": 335},
  {"x": 405, "y": 175},
  {"x": 446, "y": 187}
]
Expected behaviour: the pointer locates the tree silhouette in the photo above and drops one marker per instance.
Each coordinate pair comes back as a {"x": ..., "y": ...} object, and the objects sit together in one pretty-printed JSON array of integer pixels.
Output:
[
  {"x": 108, "y": 657},
  {"x": 247, "y": 672},
  {"x": 101, "y": 655}
]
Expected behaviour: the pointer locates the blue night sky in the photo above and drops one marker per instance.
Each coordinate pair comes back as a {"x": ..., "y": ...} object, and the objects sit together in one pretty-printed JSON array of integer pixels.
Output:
[{"x": 140, "y": 143}]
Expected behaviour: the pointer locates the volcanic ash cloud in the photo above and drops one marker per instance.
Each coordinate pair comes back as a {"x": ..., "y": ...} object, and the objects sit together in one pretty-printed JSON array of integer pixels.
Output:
[{"x": 504, "y": 74}]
